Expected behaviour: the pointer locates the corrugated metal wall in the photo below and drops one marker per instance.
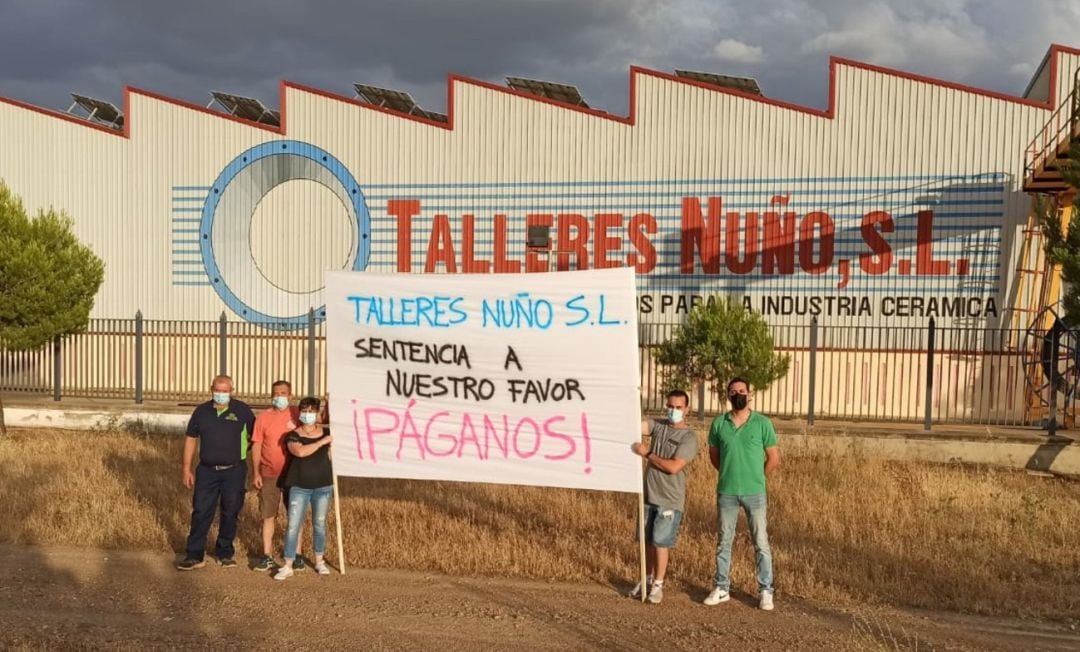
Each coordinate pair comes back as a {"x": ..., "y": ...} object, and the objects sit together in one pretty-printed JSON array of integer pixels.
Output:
[{"x": 892, "y": 143}]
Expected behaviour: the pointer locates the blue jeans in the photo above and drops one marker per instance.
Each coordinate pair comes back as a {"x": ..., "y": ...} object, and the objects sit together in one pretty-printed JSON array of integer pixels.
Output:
[
  {"x": 224, "y": 488},
  {"x": 727, "y": 512},
  {"x": 661, "y": 525},
  {"x": 299, "y": 498}
]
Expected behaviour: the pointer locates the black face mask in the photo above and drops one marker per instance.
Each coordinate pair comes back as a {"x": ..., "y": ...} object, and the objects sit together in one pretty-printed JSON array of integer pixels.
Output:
[{"x": 738, "y": 401}]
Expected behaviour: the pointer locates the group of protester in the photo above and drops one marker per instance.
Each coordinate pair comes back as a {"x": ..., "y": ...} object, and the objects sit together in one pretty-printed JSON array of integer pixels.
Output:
[
  {"x": 290, "y": 455},
  {"x": 291, "y": 464},
  {"x": 743, "y": 450}
]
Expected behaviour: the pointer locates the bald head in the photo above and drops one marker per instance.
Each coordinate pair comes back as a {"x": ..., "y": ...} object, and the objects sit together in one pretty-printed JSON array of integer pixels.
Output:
[{"x": 222, "y": 383}]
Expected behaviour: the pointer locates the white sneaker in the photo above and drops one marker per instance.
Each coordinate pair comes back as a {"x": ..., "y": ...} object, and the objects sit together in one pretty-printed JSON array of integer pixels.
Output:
[
  {"x": 283, "y": 573},
  {"x": 656, "y": 594},
  {"x": 766, "y": 601},
  {"x": 636, "y": 591},
  {"x": 321, "y": 568},
  {"x": 717, "y": 596}
]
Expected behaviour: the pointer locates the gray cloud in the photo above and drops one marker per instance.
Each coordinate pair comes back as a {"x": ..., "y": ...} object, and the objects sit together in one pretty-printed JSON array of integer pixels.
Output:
[{"x": 185, "y": 49}]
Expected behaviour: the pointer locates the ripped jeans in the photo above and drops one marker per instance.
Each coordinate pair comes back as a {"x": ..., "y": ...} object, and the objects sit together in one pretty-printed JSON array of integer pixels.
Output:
[{"x": 298, "y": 504}]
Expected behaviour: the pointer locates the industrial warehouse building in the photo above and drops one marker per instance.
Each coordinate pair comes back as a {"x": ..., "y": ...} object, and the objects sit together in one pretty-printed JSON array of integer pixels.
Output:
[{"x": 903, "y": 200}]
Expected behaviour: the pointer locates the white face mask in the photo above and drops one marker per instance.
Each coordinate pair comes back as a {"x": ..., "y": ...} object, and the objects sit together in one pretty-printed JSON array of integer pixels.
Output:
[
  {"x": 307, "y": 418},
  {"x": 675, "y": 415},
  {"x": 221, "y": 398},
  {"x": 280, "y": 402}
]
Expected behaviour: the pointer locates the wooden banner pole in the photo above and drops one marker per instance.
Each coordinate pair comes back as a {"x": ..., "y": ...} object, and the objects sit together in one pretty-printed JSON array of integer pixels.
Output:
[
  {"x": 337, "y": 522},
  {"x": 641, "y": 542}
]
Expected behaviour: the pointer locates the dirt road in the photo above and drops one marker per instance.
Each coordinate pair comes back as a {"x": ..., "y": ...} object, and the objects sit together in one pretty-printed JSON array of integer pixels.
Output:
[{"x": 62, "y": 598}]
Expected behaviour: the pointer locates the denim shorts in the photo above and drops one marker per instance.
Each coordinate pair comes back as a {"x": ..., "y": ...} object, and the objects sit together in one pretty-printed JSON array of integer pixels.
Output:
[{"x": 661, "y": 525}]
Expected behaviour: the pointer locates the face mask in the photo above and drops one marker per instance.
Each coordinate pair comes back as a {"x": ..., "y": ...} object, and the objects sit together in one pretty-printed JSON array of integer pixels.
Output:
[
  {"x": 280, "y": 402},
  {"x": 738, "y": 401},
  {"x": 674, "y": 415},
  {"x": 307, "y": 418},
  {"x": 221, "y": 398}
]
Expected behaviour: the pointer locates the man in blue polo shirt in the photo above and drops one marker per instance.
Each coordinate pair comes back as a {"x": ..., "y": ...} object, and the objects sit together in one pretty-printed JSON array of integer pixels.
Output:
[
  {"x": 220, "y": 428},
  {"x": 742, "y": 447}
]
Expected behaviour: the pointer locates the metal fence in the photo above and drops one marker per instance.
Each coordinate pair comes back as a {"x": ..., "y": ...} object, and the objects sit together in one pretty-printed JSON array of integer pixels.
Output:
[
  {"x": 919, "y": 374},
  {"x": 144, "y": 359},
  {"x": 923, "y": 374}
]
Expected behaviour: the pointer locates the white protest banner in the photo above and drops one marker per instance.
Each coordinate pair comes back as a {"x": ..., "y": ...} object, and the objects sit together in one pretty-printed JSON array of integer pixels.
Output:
[{"x": 506, "y": 378}]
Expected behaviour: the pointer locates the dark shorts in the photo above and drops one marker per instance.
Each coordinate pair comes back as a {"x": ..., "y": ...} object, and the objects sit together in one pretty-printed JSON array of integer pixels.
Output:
[
  {"x": 271, "y": 496},
  {"x": 661, "y": 525}
]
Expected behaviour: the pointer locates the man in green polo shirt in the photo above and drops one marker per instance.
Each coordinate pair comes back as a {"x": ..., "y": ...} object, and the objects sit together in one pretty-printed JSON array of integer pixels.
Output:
[{"x": 742, "y": 447}]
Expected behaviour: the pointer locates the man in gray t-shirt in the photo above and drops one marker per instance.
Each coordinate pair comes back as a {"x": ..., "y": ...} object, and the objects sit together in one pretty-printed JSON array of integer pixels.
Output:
[{"x": 673, "y": 445}]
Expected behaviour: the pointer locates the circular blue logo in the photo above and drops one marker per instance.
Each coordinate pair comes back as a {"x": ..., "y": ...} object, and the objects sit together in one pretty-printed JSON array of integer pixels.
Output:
[{"x": 225, "y": 229}]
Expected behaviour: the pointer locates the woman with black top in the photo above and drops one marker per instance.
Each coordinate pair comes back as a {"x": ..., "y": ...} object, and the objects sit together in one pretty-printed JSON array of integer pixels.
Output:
[{"x": 309, "y": 479}]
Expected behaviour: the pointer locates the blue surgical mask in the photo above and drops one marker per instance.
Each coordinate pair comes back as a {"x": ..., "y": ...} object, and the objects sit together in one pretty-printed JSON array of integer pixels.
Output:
[
  {"x": 280, "y": 402},
  {"x": 221, "y": 398},
  {"x": 307, "y": 418},
  {"x": 674, "y": 415}
]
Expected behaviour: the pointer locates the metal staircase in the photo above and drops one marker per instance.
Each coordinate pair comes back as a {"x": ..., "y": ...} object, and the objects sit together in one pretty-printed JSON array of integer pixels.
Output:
[{"x": 1048, "y": 347}]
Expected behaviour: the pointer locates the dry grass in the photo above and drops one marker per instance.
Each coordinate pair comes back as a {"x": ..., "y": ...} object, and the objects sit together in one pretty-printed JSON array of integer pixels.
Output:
[{"x": 845, "y": 529}]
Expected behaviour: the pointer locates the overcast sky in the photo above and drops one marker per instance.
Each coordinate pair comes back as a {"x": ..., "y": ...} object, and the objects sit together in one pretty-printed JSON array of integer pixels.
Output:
[{"x": 49, "y": 48}]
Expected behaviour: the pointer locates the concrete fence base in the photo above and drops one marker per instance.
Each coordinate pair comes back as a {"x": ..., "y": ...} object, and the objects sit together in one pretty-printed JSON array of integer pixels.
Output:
[
  {"x": 95, "y": 420},
  {"x": 1059, "y": 456}
]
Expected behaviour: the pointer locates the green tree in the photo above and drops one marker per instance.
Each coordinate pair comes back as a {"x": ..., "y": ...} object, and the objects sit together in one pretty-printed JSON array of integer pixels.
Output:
[
  {"x": 719, "y": 340},
  {"x": 1062, "y": 245},
  {"x": 48, "y": 279}
]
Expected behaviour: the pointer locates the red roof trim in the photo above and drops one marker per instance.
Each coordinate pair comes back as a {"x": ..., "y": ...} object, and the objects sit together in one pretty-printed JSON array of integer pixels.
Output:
[
  {"x": 596, "y": 113},
  {"x": 360, "y": 103},
  {"x": 202, "y": 109},
  {"x": 834, "y": 63},
  {"x": 932, "y": 81},
  {"x": 60, "y": 115},
  {"x": 737, "y": 93}
]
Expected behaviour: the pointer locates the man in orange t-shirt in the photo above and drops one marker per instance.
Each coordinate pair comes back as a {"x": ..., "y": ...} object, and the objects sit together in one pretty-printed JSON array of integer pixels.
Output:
[{"x": 268, "y": 452}]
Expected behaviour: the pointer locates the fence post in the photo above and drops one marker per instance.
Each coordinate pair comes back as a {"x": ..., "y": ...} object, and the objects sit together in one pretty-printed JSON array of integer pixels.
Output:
[
  {"x": 812, "y": 395},
  {"x": 223, "y": 342},
  {"x": 138, "y": 356},
  {"x": 311, "y": 352},
  {"x": 930, "y": 336},
  {"x": 701, "y": 401},
  {"x": 57, "y": 368},
  {"x": 1051, "y": 424}
]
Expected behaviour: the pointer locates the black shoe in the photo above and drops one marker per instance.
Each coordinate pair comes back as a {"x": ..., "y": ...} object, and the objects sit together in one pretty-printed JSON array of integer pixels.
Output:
[
  {"x": 190, "y": 564},
  {"x": 298, "y": 564},
  {"x": 227, "y": 562},
  {"x": 265, "y": 563}
]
